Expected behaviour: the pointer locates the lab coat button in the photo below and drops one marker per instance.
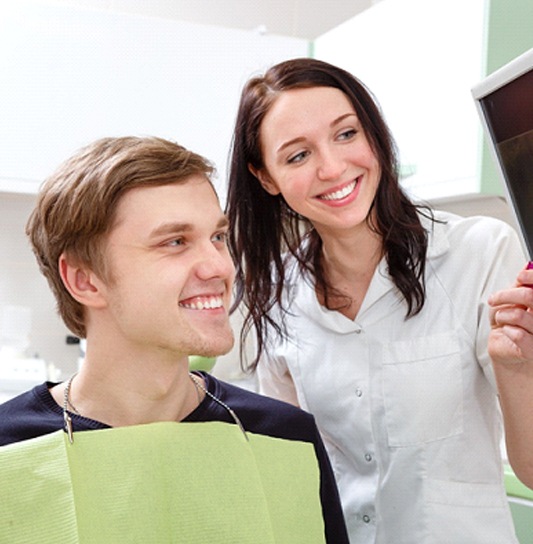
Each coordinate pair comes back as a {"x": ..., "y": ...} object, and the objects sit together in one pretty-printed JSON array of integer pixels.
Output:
[
  {"x": 366, "y": 518},
  {"x": 368, "y": 457},
  {"x": 358, "y": 392}
]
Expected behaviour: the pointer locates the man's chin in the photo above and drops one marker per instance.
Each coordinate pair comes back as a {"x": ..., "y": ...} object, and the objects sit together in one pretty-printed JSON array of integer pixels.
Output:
[{"x": 218, "y": 348}]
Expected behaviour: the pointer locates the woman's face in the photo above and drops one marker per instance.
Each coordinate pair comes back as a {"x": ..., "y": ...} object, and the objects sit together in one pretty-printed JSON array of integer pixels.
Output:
[{"x": 316, "y": 154}]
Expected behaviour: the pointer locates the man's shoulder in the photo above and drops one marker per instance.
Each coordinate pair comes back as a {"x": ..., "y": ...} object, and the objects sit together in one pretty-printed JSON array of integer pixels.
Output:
[
  {"x": 265, "y": 415},
  {"x": 18, "y": 402},
  {"x": 27, "y": 415}
]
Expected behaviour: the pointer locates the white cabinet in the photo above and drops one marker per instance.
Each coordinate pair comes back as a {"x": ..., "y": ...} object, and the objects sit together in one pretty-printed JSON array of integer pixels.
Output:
[{"x": 69, "y": 75}]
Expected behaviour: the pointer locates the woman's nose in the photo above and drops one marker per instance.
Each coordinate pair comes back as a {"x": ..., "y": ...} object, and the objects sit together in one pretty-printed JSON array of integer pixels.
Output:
[{"x": 331, "y": 164}]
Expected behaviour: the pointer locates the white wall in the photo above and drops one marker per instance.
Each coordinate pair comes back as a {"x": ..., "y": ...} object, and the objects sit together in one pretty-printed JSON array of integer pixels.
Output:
[
  {"x": 421, "y": 58},
  {"x": 70, "y": 75},
  {"x": 23, "y": 287}
]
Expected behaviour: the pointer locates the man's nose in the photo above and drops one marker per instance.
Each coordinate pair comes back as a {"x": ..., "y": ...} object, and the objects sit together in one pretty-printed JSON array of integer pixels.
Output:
[{"x": 215, "y": 262}]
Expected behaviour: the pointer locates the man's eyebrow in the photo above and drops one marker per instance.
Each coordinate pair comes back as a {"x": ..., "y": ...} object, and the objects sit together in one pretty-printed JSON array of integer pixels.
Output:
[
  {"x": 177, "y": 227},
  {"x": 223, "y": 222},
  {"x": 171, "y": 227}
]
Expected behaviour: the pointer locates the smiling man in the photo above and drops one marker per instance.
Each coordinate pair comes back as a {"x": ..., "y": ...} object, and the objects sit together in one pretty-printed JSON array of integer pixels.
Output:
[{"x": 132, "y": 240}]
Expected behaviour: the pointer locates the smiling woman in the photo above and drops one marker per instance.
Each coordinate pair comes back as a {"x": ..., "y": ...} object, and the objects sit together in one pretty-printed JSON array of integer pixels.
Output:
[
  {"x": 316, "y": 154},
  {"x": 364, "y": 312}
]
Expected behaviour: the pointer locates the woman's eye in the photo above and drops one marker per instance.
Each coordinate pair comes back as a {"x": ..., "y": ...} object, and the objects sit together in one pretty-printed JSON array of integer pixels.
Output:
[
  {"x": 299, "y": 157},
  {"x": 347, "y": 134}
]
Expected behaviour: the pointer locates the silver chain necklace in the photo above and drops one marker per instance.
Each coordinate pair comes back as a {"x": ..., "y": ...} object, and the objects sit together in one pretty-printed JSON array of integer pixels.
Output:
[
  {"x": 199, "y": 386},
  {"x": 66, "y": 415}
]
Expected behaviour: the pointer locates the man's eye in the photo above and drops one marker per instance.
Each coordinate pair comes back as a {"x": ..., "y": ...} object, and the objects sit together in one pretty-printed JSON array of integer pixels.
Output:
[
  {"x": 176, "y": 242},
  {"x": 220, "y": 237}
]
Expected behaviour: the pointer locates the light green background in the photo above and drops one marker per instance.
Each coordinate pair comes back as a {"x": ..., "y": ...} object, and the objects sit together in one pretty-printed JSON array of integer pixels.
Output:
[{"x": 509, "y": 34}]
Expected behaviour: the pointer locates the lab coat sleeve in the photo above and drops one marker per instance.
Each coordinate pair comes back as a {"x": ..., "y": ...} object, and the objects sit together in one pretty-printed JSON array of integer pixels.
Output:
[{"x": 275, "y": 379}]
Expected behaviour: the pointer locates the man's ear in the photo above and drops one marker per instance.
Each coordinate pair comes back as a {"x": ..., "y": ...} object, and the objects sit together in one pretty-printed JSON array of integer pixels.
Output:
[
  {"x": 81, "y": 282},
  {"x": 265, "y": 180}
]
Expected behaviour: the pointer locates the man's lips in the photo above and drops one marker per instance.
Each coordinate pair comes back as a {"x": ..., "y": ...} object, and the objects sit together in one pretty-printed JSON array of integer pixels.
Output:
[
  {"x": 209, "y": 302},
  {"x": 341, "y": 193}
]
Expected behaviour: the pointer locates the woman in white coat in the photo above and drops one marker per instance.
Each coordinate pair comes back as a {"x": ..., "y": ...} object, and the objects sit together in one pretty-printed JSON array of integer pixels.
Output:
[{"x": 369, "y": 310}]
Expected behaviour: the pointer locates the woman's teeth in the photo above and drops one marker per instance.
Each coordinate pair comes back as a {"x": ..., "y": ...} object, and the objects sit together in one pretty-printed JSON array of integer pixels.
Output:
[
  {"x": 337, "y": 195},
  {"x": 205, "y": 303}
]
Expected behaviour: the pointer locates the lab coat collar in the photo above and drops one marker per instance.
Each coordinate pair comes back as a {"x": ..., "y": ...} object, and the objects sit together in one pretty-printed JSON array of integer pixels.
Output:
[{"x": 305, "y": 297}]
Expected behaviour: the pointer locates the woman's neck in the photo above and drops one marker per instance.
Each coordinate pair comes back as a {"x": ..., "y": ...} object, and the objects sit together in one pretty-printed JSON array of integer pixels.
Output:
[
  {"x": 349, "y": 264},
  {"x": 353, "y": 253}
]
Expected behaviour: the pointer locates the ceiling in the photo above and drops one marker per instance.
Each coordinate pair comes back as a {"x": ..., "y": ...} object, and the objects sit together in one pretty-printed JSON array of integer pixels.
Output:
[{"x": 305, "y": 19}]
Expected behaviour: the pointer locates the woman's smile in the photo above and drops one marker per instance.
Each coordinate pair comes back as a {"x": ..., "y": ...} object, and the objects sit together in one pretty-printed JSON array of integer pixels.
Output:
[
  {"x": 334, "y": 182},
  {"x": 339, "y": 194}
]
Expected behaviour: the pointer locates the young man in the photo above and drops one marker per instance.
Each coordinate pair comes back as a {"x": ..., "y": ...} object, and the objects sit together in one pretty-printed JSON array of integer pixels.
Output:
[
  {"x": 132, "y": 240},
  {"x": 511, "y": 350}
]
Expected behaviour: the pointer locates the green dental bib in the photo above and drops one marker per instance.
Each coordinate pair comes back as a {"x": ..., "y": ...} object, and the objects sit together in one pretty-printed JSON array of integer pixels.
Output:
[{"x": 191, "y": 483}]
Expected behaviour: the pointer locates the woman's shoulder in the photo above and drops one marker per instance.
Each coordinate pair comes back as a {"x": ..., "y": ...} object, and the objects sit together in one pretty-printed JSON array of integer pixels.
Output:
[
  {"x": 454, "y": 220},
  {"x": 486, "y": 246},
  {"x": 475, "y": 229}
]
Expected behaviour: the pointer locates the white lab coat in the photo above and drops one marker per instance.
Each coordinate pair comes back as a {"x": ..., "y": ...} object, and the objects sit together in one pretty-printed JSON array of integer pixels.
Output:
[{"x": 408, "y": 408}]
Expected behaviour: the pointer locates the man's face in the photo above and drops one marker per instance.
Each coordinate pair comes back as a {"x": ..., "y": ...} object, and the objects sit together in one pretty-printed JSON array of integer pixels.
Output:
[{"x": 170, "y": 271}]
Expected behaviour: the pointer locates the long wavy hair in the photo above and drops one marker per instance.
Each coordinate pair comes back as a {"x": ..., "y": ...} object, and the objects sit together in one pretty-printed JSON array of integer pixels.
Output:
[{"x": 265, "y": 231}]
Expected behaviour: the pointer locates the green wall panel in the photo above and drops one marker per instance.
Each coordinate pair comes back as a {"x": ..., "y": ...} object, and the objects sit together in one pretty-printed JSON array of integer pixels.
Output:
[{"x": 509, "y": 34}]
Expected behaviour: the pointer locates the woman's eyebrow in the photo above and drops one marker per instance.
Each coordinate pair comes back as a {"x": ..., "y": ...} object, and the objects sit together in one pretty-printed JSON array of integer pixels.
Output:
[
  {"x": 341, "y": 118},
  {"x": 299, "y": 139}
]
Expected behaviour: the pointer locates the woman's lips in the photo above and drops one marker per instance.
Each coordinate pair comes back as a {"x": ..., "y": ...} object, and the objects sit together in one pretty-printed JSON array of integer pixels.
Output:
[{"x": 339, "y": 194}]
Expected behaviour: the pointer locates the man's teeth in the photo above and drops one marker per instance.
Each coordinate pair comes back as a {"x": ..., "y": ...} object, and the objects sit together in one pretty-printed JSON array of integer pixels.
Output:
[
  {"x": 206, "y": 303},
  {"x": 337, "y": 195}
]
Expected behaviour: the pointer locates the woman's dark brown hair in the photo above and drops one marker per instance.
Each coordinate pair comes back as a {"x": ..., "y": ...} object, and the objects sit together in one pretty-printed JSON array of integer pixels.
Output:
[{"x": 264, "y": 230}]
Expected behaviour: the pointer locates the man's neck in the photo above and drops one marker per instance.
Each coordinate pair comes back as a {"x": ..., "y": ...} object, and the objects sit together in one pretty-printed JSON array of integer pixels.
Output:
[{"x": 131, "y": 392}]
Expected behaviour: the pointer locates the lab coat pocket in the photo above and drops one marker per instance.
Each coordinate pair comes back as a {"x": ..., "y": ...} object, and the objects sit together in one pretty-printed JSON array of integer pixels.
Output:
[{"x": 423, "y": 389}]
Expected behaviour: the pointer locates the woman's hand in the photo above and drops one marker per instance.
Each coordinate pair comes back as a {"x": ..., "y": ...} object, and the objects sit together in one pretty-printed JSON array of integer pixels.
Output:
[
  {"x": 511, "y": 350},
  {"x": 511, "y": 317}
]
